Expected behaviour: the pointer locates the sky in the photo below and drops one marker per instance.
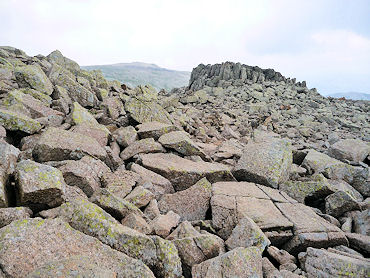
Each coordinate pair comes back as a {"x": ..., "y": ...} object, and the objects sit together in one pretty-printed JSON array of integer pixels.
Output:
[{"x": 324, "y": 42}]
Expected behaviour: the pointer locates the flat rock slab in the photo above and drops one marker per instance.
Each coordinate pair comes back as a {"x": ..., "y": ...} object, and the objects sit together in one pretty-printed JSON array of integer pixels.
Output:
[
  {"x": 266, "y": 163},
  {"x": 39, "y": 185},
  {"x": 154, "y": 129},
  {"x": 43, "y": 241},
  {"x": 183, "y": 173},
  {"x": 322, "y": 263},
  {"x": 146, "y": 111},
  {"x": 279, "y": 217},
  {"x": 232, "y": 201},
  {"x": 191, "y": 203},
  {"x": 240, "y": 262},
  {"x": 309, "y": 229},
  {"x": 8, "y": 215},
  {"x": 57, "y": 144}
]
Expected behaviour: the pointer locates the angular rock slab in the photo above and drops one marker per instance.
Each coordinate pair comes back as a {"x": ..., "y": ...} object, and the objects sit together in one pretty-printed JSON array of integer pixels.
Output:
[
  {"x": 309, "y": 229},
  {"x": 183, "y": 173},
  {"x": 190, "y": 204},
  {"x": 321, "y": 263},
  {"x": 240, "y": 262},
  {"x": 232, "y": 201},
  {"x": 266, "y": 163},
  {"x": 8, "y": 215},
  {"x": 147, "y": 111},
  {"x": 39, "y": 185},
  {"x": 154, "y": 129},
  {"x": 57, "y": 144},
  {"x": 41, "y": 241}
]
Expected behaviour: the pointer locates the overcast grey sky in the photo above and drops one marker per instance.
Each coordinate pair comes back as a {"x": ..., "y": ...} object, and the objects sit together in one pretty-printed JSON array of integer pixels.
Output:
[{"x": 325, "y": 42}]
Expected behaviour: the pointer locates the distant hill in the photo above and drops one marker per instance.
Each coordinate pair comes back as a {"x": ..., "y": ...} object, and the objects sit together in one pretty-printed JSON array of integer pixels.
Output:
[
  {"x": 133, "y": 74},
  {"x": 350, "y": 95}
]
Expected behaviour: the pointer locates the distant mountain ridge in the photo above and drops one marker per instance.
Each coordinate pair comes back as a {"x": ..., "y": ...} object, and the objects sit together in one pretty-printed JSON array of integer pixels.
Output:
[
  {"x": 138, "y": 73},
  {"x": 350, "y": 95}
]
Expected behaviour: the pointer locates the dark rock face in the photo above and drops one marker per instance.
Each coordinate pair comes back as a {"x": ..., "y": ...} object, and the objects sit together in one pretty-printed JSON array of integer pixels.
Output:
[{"x": 245, "y": 173}]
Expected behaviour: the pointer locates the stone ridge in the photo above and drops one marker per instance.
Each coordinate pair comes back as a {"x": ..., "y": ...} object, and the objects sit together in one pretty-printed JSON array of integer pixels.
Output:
[{"x": 220, "y": 74}]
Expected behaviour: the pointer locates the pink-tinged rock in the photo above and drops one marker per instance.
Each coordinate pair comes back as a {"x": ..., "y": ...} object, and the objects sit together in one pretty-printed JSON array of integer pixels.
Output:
[
  {"x": 183, "y": 173},
  {"x": 147, "y": 145},
  {"x": 57, "y": 144},
  {"x": 191, "y": 203}
]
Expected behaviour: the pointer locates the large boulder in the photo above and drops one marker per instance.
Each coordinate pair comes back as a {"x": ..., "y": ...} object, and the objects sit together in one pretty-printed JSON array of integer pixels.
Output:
[
  {"x": 183, "y": 173},
  {"x": 57, "y": 144},
  {"x": 191, "y": 204},
  {"x": 232, "y": 201},
  {"x": 240, "y": 262},
  {"x": 32, "y": 76},
  {"x": 39, "y": 186},
  {"x": 15, "y": 121},
  {"x": 322, "y": 263},
  {"x": 41, "y": 242},
  {"x": 353, "y": 150},
  {"x": 266, "y": 163},
  {"x": 340, "y": 202}
]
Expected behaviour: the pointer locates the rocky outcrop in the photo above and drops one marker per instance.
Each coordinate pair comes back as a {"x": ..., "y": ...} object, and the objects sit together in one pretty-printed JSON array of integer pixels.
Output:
[{"x": 245, "y": 173}]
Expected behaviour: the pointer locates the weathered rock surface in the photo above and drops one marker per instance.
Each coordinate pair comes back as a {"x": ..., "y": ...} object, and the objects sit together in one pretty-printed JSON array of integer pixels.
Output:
[
  {"x": 240, "y": 262},
  {"x": 183, "y": 173},
  {"x": 59, "y": 241},
  {"x": 191, "y": 204},
  {"x": 16, "y": 121},
  {"x": 350, "y": 150},
  {"x": 84, "y": 173},
  {"x": 154, "y": 129},
  {"x": 266, "y": 163},
  {"x": 39, "y": 185},
  {"x": 8, "y": 215},
  {"x": 321, "y": 263},
  {"x": 57, "y": 144},
  {"x": 147, "y": 145}
]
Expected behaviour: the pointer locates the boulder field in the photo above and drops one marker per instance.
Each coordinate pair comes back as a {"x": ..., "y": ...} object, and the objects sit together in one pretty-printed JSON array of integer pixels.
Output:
[{"x": 244, "y": 173}]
